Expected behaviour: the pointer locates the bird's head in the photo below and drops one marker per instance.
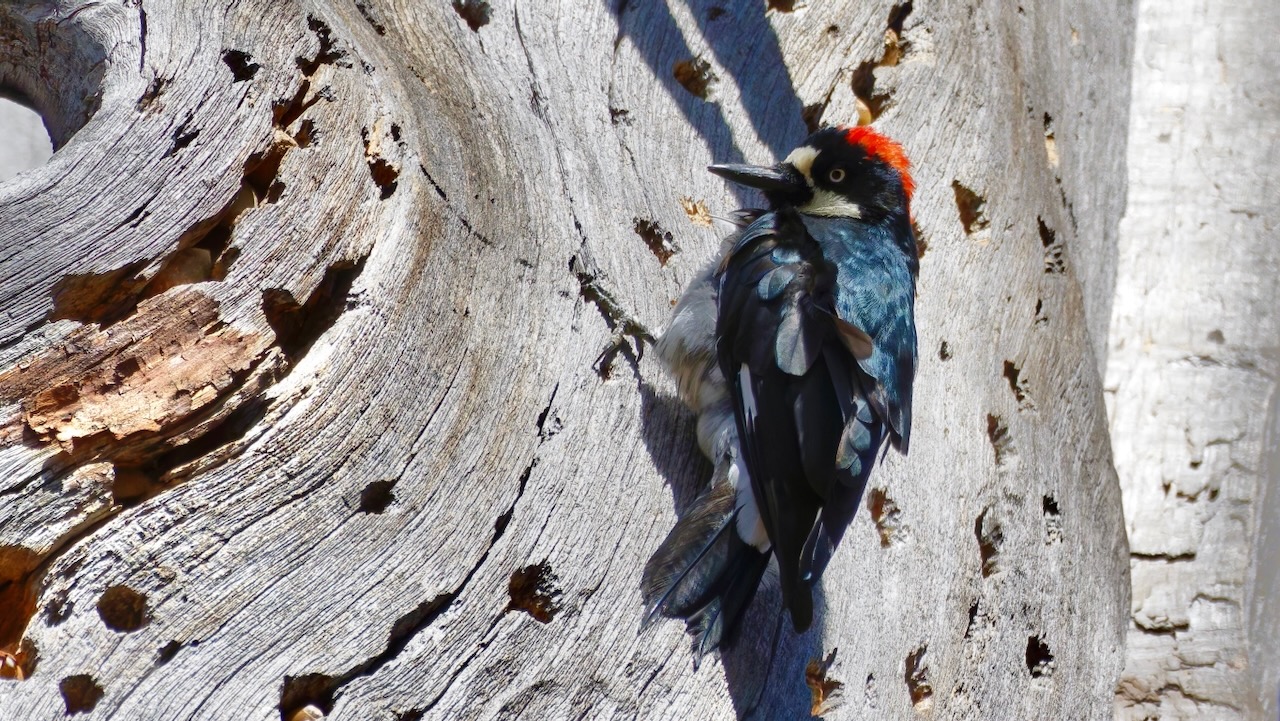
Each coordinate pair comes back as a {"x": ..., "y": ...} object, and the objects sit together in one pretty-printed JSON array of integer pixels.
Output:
[{"x": 849, "y": 172}]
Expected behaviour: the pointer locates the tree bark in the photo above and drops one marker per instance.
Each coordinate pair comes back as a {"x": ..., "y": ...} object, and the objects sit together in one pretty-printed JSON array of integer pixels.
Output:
[
  {"x": 1193, "y": 365},
  {"x": 324, "y": 370}
]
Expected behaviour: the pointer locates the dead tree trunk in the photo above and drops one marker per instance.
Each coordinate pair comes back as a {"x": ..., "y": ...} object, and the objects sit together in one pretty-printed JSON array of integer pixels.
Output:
[
  {"x": 1193, "y": 365},
  {"x": 323, "y": 369}
]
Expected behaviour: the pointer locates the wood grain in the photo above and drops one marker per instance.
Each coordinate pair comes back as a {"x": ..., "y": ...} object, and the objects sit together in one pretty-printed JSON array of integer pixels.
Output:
[
  {"x": 1192, "y": 368},
  {"x": 399, "y": 249}
]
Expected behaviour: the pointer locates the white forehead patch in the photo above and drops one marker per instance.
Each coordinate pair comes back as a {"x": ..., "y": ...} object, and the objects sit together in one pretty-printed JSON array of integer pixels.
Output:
[
  {"x": 831, "y": 205},
  {"x": 802, "y": 159}
]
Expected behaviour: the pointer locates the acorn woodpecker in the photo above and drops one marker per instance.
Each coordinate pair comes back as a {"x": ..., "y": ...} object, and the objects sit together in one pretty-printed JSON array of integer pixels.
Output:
[{"x": 796, "y": 348}]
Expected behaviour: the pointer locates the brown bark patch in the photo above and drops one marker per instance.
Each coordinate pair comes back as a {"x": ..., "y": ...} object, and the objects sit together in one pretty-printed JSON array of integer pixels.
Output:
[{"x": 171, "y": 359}]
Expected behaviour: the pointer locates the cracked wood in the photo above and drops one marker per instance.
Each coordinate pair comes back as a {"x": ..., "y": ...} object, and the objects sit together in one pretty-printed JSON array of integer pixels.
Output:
[{"x": 370, "y": 417}]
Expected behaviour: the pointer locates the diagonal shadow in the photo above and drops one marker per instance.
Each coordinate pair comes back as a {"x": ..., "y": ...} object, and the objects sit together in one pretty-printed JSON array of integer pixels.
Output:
[
  {"x": 745, "y": 45},
  {"x": 764, "y": 671}
]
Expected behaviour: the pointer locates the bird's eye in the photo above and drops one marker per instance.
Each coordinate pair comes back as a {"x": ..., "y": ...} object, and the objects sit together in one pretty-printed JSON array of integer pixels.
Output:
[{"x": 836, "y": 175}]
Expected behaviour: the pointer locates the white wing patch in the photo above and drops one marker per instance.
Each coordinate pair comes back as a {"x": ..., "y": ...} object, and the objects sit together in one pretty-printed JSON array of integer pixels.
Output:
[
  {"x": 750, "y": 526},
  {"x": 748, "y": 396}
]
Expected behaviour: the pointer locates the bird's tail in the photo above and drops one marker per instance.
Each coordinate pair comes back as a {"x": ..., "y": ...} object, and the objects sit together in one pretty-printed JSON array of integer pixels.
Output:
[{"x": 704, "y": 572}]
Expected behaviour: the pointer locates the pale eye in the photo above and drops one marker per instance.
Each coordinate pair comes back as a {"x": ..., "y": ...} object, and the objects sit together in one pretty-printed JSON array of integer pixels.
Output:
[{"x": 836, "y": 175}]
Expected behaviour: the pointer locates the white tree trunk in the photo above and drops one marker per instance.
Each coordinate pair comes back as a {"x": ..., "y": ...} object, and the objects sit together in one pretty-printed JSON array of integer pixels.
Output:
[
  {"x": 1193, "y": 364},
  {"x": 324, "y": 374}
]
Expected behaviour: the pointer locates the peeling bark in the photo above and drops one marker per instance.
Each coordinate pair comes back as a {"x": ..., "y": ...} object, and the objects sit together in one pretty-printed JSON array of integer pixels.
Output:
[{"x": 324, "y": 384}]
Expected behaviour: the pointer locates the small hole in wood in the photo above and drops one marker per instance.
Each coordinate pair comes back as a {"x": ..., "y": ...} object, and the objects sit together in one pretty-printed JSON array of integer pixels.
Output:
[
  {"x": 1001, "y": 441},
  {"x": 123, "y": 609},
  {"x": 886, "y": 515},
  {"x": 377, "y": 496},
  {"x": 1039, "y": 658},
  {"x": 81, "y": 693},
  {"x": 990, "y": 537},
  {"x": 476, "y": 13},
  {"x": 241, "y": 63},
  {"x": 917, "y": 677},
  {"x": 1053, "y": 251},
  {"x": 824, "y": 691},
  {"x": 696, "y": 76},
  {"x": 660, "y": 242},
  {"x": 298, "y": 693},
  {"x": 972, "y": 207},
  {"x": 533, "y": 590}
]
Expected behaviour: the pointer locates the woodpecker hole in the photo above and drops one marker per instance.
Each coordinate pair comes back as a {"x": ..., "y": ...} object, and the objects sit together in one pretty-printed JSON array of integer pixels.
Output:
[
  {"x": 696, "y": 76},
  {"x": 18, "y": 584},
  {"x": 782, "y": 6},
  {"x": 329, "y": 52},
  {"x": 972, "y": 207},
  {"x": 297, "y": 326},
  {"x": 368, "y": 13},
  {"x": 898, "y": 16},
  {"x": 864, "y": 76},
  {"x": 1040, "y": 317},
  {"x": 824, "y": 691},
  {"x": 165, "y": 653},
  {"x": 619, "y": 116},
  {"x": 922, "y": 243},
  {"x": 1215, "y": 336},
  {"x": 990, "y": 538},
  {"x": 533, "y": 590},
  {"x": 1018, "y": 387},
  {"x": 864, "y": 87},
  {"x": 973, "y": 619},
  {"x": 1052, "y": 520},
  {"x": 384, "y": 173},
  {"x": 1050, "y": 144},
  {"x": 377, "y": 496},
  {"x": 886, "y": 515},
  {"x": 81, "y": 693},
  {"x": 306, "y": 135},
  {"x": 812, "y": 115},
  {"x": 123, "y": 609},
  {"x": 1053, "y": 258},
  {"x": 153, "y": 92},
  {"x": 241, "y": 63},
  {"x": 20, "y": 664},
  {"x": 299, "y": 692},
  {"x": 476, "y": 13},
  {"x": 384, "y": 176},
  {"x": 1039, "y": 658},
  {"x": 944, "y": 351},
  {"x": 660, "y": 242},
  {"x": 895, "y": 45},
  {"x": 309, "y": 712},
  {"x": 917, "y": 677},
  {"x": 1001, "y": 441}
]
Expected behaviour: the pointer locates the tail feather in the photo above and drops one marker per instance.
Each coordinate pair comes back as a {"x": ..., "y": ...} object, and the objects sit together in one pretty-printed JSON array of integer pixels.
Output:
[{"x": 704, "y": 572}]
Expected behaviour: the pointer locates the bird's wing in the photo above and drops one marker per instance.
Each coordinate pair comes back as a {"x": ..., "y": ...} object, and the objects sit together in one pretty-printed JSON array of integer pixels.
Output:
[
  {"x": 791, "y": 381},
  {"x": 874, "y": 297}
]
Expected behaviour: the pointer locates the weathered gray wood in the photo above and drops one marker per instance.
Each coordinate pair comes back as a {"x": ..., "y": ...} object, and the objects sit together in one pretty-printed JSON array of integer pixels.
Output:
[
  {"x": 387, "y": 388},
  {"x": 1193, "y": 365}
]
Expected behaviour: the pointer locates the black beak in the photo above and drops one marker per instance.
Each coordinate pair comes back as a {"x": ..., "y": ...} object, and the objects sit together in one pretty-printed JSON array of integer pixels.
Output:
[{"x": 780, "y": 177}]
